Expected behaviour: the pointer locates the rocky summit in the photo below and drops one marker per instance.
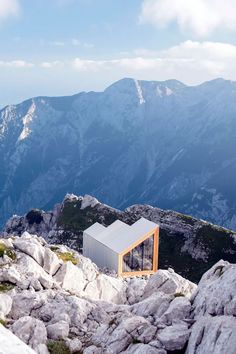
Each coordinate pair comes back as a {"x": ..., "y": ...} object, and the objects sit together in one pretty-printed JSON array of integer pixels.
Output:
[
  {"x": 189, "y": 245},
  {"x": 54, "y": 300}
]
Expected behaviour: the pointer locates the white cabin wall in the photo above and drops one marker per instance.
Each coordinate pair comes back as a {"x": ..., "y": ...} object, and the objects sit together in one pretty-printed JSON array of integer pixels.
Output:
[{"x": 101, "y": 255}]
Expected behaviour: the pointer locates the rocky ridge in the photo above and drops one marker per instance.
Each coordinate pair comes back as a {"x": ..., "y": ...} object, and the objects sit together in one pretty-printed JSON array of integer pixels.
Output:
[
  {"x": 188, "y": 245},
  {"x": 52, "y": 296}
]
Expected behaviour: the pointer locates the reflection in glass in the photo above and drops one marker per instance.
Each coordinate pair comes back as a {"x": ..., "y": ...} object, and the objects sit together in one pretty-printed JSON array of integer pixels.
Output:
[{"x": 140, "y": 258}]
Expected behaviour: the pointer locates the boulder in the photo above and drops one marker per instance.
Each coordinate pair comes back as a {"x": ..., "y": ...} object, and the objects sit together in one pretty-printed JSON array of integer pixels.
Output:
[
  {"x": 29, "y": 268},
  {"x": 25, "y": 302},
  {"x": 108, "y": 289},
  {"x": 10, "y": 275},
  {"x": 135, "y": 289},
  {"x": 70, "y": 277},
  {"x": 30, "y": 330},
  {"x": 51, "y": 262},
  {"x": 10, "y": 344},
  {"x": 93, "y": 350},
  {"x": 31, "y": 246},
  {"x": 213, "y": 335},
  {"x": 216, "y": 293},
  {"x": 116, "y": 338},
  {"x": 59, "y": 330},
  {"x": 174, "y": 337},
  {"x": 155, "y": 305},
  {"x": 178, "y": 310},
  {"x": 89, "y": 269},
  {"x": 42, "y": 349},
  {"x": 169, "y": 282},
  {"x": 74, "y": 345},
  {"x": 5, "y": 305}
]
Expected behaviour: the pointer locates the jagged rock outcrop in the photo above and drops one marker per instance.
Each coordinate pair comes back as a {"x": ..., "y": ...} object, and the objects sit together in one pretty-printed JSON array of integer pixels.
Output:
[
  {"x": 188, "y": 245},
  {"x": 93, "y": 312}
]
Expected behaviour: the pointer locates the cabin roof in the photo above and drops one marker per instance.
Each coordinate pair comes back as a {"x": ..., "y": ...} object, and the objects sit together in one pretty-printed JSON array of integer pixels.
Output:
[{"x": 119, "y": 236}]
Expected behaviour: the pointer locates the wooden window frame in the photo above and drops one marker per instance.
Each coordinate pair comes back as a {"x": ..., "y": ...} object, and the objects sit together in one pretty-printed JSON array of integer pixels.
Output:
[{"x": 154, "y": 232}]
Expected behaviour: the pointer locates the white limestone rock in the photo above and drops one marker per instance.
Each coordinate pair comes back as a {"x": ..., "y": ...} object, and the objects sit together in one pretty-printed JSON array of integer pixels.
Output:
[
  {"x": 89, "y": 269},
  {"x": 5, "y": 305},
  {"x": 143, "y": 349},
  {"x": 216, "y": 335},
  {"x": 74, "y": 345},
  {"x": 11, "y": 344},
  {"x": 168, "y": 282},
  {"x": 29, "y": 268},
  {"x": 89, "y": 201},
  {"x": 25, "y": 302},
  {"x": 155, "y": 305},
  {"x": 70, "y": 277},
  {"x": 51, "y": 262},
  {"x": 30, "y": 330},
  {"x": 42, "y": 349},
  {"x": 216, "y": 293},
  {"x": 59, "y": 330},
  {"x": 108, "y": 289},
  {"x": 116, "y": 338},
  {"x": 10, "y": 275},
  {"x": 93, "y": 350},
  {"x": 174, "y": 337},
  {"x": 31, "y": 246},
  {"x": 178, "y": 310},
  {"x": 135, "y": 289}
]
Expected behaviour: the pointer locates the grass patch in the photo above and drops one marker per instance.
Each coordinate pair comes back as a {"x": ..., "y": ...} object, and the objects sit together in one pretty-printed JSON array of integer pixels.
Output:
[
  {"x": 4, "y": 250},
  {"x": 58, "y": 347},
  {"x": 5, "y": 286},
  {"x": 67, "y": 256},
  {"x": 3, "y": 322}
]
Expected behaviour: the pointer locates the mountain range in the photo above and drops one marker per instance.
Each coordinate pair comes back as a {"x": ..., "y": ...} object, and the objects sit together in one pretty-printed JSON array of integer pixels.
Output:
[{"x": 161, "y": 143}]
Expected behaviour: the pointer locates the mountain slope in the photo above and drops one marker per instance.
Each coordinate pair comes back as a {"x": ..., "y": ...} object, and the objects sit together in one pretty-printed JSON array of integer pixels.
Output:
[
  {"x": 161, "y": 143},
  {"x": 188, "y": 245}
]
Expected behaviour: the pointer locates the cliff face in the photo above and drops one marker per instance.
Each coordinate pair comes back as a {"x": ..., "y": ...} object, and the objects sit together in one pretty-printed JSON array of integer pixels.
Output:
[
  {"x": 55, "y": 300},
  {"x": 188, "y": 245},
  {"x": 161, "y": 143}
]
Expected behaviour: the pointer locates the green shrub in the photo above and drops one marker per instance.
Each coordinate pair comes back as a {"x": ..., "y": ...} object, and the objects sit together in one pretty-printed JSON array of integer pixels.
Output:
[
  {"x": 4, "y": 250},
  {"x": 3, "y": 322},
  {"x": 58, "y": 347},
  {"x": 5, "y": 286},
  {"x": 67, "y": 256}
]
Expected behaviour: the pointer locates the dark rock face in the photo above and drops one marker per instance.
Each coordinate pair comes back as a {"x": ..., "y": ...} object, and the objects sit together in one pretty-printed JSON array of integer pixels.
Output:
[
  {"x": 188, "y": 245},
  {"x": 161, "y": 143}
]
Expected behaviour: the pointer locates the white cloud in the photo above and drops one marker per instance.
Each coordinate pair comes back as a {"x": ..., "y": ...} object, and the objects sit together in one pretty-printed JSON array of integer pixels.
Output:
[
  {"x": 190, "y": 61},
  {"x": 51, "y": 64},
  {"x": 9, "y": 8},
  {"x": 16, "y": 64},
  {"x": 202, "y": 17}
]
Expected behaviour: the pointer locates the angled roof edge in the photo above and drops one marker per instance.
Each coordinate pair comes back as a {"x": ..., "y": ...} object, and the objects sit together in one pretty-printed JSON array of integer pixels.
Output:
[{"x": 119, "y": 236}]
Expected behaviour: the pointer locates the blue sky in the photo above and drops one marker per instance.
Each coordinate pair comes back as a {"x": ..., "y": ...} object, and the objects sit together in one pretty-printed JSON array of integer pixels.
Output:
[{"x": 60, "y": 47}]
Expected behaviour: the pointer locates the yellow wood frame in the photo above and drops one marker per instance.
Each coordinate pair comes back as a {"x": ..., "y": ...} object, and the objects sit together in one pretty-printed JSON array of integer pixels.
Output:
[{"x": 154, "y": 232}]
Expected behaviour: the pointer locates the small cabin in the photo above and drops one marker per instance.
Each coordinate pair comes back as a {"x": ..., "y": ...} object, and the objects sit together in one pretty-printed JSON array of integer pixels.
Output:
[{"x": 127, "y": 249}]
